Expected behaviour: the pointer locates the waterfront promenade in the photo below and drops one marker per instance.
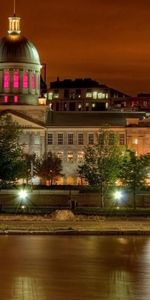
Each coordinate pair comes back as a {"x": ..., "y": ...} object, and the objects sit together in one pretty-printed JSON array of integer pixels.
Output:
[{"x": 13, "y": 224}]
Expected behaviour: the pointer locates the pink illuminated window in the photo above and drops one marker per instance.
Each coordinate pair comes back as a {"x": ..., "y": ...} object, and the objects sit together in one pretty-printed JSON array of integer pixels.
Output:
[
  {"x": 25, "y": 80},
  {"x": 16, "y": 79},
  {"x": 5, "y": 99},
  {"x": 33, "y": 81},
  {"x": 15, "y": 99},
  {"x": 6, "y": 79}
]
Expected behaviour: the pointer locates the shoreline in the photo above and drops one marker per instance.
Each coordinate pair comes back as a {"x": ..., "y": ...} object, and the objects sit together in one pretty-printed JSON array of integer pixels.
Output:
[
  {"x": 83, "y": 226},
  {"x": 76, "y": 233}
]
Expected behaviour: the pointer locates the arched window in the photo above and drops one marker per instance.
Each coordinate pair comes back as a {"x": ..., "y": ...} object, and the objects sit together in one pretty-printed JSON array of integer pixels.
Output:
[
  {"x": 16, "y": 80},
  {"x": 33, "y": 81},
  {"x": 6, "y": 82},
  {"x": 25, "y": 80}
]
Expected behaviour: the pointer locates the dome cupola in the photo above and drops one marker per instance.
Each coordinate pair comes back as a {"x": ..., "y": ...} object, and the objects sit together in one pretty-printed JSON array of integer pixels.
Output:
[
  {"x": 19, "y": 67},
  {"x": 14, "y": 25},
  {"x": 18, "y": 49}
]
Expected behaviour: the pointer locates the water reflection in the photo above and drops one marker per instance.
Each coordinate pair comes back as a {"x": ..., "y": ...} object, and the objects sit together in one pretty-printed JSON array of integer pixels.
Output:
[{"x": 86, "y": 268}]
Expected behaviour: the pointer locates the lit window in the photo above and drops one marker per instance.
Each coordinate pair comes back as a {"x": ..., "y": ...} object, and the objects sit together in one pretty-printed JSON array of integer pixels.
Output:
[
  {"x": 122, "y": 139},
  {"x": 95, "y": 95},
  {"x": 42, "y": 101},
  {"x": 60, "y": 155},
  {"x": 106, "y": 105},
  {"x": 91, "y": 139},
  {"x": 56, "y": 96},
  {"x": 33, "y": 81},
  {"x": 6, "y": 79},
  {"x": 80, "y": 156},
  {"x": 50, "y": 96},
  {"x": 87, "y": 106},
  {"x": 60, "y": 139},
  {"x": 88, "y": 95},
  {"x": 135, "y": 141},
  {"x": 80, "y": 139},
  {"x": 50, "y": 139},
  {"x": 65, "y": 106},
  {"x": 102, "y": 95},
  {"x": 70, "y": 157},
  {"x": 5, "y": 99},
  {"x": 70, "y": 138},
  {"x": 16, "y": 80},
  {"x": 25, "y": 80},
  {"x": 51, "y": 106},
  {"x": 79, "y": 106},
  {"x": 15, "y": 99}
]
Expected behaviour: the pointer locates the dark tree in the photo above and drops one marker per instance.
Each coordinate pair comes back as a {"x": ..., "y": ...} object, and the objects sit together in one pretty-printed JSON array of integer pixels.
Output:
[
  {"x": 49, "y": 168},
  {"x": 134, "y": 171},
  {"x": 102, "y": 162},
  {"x": 11, "y": 153},
  {"x": 29, "y": 166}
]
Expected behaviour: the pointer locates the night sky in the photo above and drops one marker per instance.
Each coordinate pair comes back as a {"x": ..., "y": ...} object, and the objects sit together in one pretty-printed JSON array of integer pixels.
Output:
[{"x": 107, "y": 40}]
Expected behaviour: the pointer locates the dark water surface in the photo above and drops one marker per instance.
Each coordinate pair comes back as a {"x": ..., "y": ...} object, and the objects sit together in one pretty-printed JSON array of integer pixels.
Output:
[{"x": 74, "y": 268}]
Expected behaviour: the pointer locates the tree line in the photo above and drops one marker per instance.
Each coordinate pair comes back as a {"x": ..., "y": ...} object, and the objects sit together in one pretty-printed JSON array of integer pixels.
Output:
[
  {"x": 15, "y": 164},
  {"x": 105, "y": 163}
]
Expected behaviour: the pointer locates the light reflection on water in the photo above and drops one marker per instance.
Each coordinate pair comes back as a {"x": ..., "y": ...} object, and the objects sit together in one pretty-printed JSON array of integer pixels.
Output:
[{"x": 74, "y": 267}]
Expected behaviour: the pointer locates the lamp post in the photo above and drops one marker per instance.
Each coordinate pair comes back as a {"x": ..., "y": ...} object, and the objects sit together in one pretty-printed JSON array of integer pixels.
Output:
[{"x": 22, "y": 195}]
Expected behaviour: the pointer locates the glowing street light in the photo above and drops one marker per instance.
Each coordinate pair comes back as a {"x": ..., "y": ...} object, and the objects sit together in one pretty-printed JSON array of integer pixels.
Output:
[
  {"x": 118, "y": 195},
  {"x": 23, "y": 195}
]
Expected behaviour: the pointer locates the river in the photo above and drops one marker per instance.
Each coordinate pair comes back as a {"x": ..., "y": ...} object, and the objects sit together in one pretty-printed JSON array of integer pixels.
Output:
[{"x": 74, "y": 268}]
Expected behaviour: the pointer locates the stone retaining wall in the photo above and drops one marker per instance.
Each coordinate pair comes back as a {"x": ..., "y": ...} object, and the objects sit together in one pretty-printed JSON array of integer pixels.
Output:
[{"x": 65, "y": 198}]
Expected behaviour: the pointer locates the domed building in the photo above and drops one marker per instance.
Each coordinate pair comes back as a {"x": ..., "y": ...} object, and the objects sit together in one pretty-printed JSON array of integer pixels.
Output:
[
  {"x": 71, "y": 118},
  {"x": 19, "y": 68}
]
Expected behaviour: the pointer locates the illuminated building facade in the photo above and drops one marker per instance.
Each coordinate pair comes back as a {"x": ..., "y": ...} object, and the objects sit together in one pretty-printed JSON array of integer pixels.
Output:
[
  {"x": 67, "y": 134},
  {"x": 89, "y": 95},
  {"x": 74, "y": 113},
  {"x": 82, "y": 95}
]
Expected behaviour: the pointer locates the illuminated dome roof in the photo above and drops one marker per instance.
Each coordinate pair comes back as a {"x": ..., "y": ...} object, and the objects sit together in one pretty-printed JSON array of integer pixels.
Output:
[{"x": 17, "y": 49}]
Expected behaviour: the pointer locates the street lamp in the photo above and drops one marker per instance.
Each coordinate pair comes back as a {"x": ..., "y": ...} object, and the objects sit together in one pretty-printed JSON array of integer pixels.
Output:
[
  {"x": 22, "y": 200},
  {"x": 23, "y": 195},
  {"x": 118, "y": 195}
]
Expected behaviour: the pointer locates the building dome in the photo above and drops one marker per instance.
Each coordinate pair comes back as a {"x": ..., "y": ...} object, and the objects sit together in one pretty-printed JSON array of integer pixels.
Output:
[
  {"x": 17, "y": 49},
  {"x": 19, "y": 68}
]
